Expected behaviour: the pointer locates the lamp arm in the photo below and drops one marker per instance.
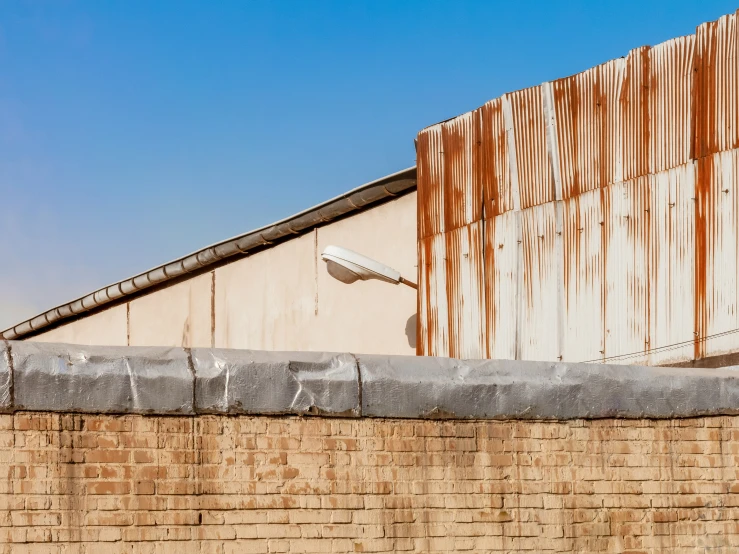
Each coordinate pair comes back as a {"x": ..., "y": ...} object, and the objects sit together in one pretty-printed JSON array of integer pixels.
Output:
[{"x": 409, "y": 283}]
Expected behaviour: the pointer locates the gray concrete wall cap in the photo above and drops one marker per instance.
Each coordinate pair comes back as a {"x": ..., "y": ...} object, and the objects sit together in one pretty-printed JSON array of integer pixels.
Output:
[
  {"x": 96, "y": 379},
  {"x": 259, "y": 382},
  {"x": 398, "y": 386},
  {"x": 101, "y": 379}
]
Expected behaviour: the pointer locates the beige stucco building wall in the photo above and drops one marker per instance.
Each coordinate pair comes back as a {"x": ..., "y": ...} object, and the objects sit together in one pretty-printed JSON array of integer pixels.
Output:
[
  {"x": 281, "y": 298},
  {"x": 106, "y": 328}
]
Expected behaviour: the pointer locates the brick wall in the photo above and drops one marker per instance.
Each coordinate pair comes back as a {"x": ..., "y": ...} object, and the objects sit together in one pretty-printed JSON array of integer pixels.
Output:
[{"x": 269, "y": 484}]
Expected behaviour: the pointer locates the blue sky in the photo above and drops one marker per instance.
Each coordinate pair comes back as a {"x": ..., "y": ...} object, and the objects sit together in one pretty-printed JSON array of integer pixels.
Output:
[{"x": 133, "y": 132}]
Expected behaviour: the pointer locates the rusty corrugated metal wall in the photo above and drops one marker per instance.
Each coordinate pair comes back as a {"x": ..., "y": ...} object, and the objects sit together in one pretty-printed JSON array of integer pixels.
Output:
[{"x": 595, "y": 217}]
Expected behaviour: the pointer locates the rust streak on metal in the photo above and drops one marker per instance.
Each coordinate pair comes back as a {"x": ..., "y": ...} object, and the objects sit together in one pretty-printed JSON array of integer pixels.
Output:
[
  {"x": 490, "y": 159},
  {"x": 703, "y": 223},
  {"x": 430, "y": 177},
  {"x": 425, "y": 346},
  {"x": 716, "y": 113},
  {"x": 536, "y": 184},
  {"x": 452, "y": 293},
  {"x": 670, "y": 103},
  {"x": 635, "y": 114},
  {"x": 490, "y": 284},
  {"x": 606, "y": 232},
  {"x": 462, "y": 201}
]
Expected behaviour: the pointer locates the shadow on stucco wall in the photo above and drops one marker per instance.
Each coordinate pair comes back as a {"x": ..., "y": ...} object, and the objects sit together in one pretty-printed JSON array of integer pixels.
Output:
[{"x": 410, "y": 330}]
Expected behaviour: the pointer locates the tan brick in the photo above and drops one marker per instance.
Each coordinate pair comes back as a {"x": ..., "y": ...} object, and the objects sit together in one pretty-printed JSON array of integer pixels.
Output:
[{"x": 260, "y": 484}]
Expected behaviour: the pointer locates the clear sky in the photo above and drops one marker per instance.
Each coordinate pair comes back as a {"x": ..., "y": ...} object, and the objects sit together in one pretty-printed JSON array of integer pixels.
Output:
[{"x": 133, "y": 132}]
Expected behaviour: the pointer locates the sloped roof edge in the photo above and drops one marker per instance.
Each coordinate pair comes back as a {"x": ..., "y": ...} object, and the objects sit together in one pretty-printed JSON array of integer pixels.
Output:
[{"x": 358, "y": 199}]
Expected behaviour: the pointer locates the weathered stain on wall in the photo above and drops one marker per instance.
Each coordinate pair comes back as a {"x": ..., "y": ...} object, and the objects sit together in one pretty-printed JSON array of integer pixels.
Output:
[{"x": 608, "y": 211}]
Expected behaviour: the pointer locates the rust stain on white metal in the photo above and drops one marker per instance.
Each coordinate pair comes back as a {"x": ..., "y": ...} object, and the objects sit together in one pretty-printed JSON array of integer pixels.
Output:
[
  {"x": 465, "y": 281},
  {"x": 595, "y": 217},
  {"x": 716, "y": 253},
  {"x": 614, "y": 236},
  {"x": 501, "y": 284},
  {"x": 583, "y": 276},
  {"x": 432, "y": 298},
  {"x": 538, "y": 296},
  {"x": 630, "y": 322},
  {"x": 535, "y": 182},
  {"x": 430, "y": 179},
  {"x": 672, "y": 278},
  {"x": 587, "y": 127},
  {"x": 462, "y": 202},
  {"x": 716, "y": 98},
  {"x": 490, "y": 159},
  {"x": 634, "y": 114},
  {"x": 670, "y": 106}
]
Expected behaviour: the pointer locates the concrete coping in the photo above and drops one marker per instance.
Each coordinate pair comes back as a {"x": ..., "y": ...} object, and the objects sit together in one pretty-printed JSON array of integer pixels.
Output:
[{"x": 179, "y": 381}]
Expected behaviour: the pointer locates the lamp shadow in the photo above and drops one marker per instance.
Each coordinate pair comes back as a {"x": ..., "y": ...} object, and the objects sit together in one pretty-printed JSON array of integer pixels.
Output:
[{"x": 410, "y": 330}]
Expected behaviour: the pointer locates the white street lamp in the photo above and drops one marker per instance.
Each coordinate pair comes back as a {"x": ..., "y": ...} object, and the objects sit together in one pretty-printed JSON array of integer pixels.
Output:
[{"x": 347, "y": 266}]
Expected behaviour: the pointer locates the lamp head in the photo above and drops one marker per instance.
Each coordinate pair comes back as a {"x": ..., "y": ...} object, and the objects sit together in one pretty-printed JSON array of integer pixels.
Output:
[{"x": 347, "y": 266}]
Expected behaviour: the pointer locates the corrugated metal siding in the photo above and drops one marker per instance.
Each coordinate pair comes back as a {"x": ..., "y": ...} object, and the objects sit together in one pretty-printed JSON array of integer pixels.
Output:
[
  {"x": 611, "y": 86},
  {"x": 593, "y": 218},
  {"x": 615, "y": 288},
  {"x": 462, "y": 202},
  {"x": 716, "y": 96},
  {"x": 583, "y": 277},
  {"x": 465, "y": 291},
  {"x": 538, "y": 279},
  {"x": 672, "y": 278},
  {"x": 716, "y": 253},
  {"x": 631, "y": 324},
  {"x": 533, "y": 168},
  {"x": 587, "y": 124},
  {"x": 433, "y": 318},
  {"x": 670, "y": 106},
  {"x": 430, "y": 181},
  {"x": 634, "y": 112},
  {"x": 490, "y": 158},
  {"x": 502, "y": 253}
]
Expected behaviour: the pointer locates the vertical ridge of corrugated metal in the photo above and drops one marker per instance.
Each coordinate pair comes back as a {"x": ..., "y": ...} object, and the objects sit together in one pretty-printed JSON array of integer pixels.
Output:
[
  {"x": 717, "y": 302},
  {"x": 670, "y": 103},
  {"x": 490, "y": 159},
  {"x": 492, "y": 162},
  {"x": 671, "y": 281},
  {"x": 462, "y": 201},
  {"x": 583, "y": 276},
  {"x": 464, "y": 283},
  {"x": 539, "y": 281},
  {"x": 430, "y": 181},
  {"x": 716, "y": 96},
  {"x": 586, "y": 127},
  {"x": 501, "y": 284},
  {"x": 634, "y": 111},
  {"x": 535, "y": 182},
  {"x": 433, "y": 317}
]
